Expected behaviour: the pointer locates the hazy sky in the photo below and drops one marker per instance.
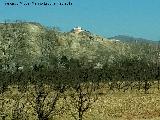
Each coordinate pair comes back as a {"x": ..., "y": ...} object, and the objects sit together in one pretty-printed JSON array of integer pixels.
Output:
[{"x": 139, "y": 18}]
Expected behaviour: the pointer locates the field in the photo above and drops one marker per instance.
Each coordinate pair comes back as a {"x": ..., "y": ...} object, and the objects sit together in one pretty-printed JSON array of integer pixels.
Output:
[{"x": 109, "y": 104}]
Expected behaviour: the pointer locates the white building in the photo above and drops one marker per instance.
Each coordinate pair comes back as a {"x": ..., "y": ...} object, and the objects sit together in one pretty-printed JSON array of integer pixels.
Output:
[
  {"x": 114, "y": 40},
  {"x": 77, "y": 29}
]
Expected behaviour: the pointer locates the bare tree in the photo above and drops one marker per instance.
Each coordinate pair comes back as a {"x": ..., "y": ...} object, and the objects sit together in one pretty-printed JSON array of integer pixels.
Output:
[
  {"x": 82, "y": 99},
  {"x": 3, "y": 115},
  {"x": 18, "y": 112},
  {"x": 45, "y": 99}
]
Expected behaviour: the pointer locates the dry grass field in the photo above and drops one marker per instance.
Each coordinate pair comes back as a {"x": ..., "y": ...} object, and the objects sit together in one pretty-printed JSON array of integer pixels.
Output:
[{"x": 110, "y": 105}]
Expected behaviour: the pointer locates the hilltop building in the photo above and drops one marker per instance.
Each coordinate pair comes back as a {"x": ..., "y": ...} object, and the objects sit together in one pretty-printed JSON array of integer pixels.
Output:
[{"x": 77, "y": 30}]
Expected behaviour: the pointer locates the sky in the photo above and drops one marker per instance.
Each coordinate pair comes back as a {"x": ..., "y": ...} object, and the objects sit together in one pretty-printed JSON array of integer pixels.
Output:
[{"x": 137, "y": 18}]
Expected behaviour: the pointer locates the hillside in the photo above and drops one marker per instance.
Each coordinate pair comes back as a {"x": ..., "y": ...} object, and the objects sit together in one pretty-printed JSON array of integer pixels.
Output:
[
  {"x": 26, "y": 44},
  {"x": 130, "y": 39}
]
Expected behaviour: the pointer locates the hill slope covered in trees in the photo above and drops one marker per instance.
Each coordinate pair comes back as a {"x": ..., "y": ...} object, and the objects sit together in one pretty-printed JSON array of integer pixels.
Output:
[{"x": 26, "y": 44}]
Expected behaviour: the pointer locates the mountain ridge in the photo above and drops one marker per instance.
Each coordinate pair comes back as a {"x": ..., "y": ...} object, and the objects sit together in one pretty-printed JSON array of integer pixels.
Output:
[{"x": 131, "y": 39}]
